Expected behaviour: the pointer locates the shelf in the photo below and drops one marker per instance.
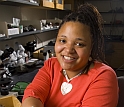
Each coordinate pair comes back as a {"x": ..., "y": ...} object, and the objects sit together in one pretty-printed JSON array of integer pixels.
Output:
[
  {"x": 113, "y": 12},
  {"x": 113, "y": 38},
  {"x": 114, "y": 25},
  {"x": 102, "y": 0},
  {"x": 26, "y": 34},
  {"x": 17, "y": 2}
]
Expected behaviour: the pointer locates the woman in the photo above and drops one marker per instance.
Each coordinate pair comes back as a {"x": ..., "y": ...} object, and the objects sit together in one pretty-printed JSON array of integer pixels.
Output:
[{"x": 78, "y": 75}]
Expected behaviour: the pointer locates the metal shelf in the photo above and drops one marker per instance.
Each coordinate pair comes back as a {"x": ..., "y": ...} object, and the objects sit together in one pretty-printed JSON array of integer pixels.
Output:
[
  {"x": 26, "y": 34},
  {"x": 112, "y": 12},
  {"x": 101, "y": 0},
  {"x": 18, "y": 2},
  {"x": 114, "y": 25}
]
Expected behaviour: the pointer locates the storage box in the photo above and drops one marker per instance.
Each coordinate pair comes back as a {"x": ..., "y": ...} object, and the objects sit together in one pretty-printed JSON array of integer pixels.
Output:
[
  {"x": 4, "y": 29},
  {"x": 13, "y": 31},
  {"x": 10, "y": 101},
  {"x": 47, "y": 3},
  {"x": 10, "y": 94},
  {"x": 59, "y": 4},
  {"x": 38, "y": 54}
]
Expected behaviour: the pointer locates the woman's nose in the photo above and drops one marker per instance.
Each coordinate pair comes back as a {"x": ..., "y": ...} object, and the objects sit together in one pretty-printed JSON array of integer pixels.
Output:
[{"x": 70, "y": 48}]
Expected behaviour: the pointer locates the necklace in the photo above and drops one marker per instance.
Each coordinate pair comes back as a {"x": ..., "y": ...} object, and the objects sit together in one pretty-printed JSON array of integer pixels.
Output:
[{"x": 66, "y": 87}]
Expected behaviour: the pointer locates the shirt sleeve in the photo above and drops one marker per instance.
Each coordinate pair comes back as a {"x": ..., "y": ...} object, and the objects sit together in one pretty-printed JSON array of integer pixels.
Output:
[
  {"x": 40, "y": 86},
  {"x": 103, "y": 91}
]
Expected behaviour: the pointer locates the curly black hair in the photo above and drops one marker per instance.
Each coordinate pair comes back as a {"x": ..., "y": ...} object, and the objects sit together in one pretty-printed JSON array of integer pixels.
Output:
[{"x": 89, "y": 15}]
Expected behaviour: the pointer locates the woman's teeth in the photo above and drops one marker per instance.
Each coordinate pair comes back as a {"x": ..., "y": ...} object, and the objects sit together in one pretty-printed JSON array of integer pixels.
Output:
[{"x": 68, "y": 58}]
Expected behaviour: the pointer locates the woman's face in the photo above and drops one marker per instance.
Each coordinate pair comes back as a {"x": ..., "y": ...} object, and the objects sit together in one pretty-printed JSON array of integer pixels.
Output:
[{"x": 73, "y": 46}]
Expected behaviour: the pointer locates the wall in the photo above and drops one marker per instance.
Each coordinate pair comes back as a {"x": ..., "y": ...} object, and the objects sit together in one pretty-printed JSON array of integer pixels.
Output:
[
  {"x": 28, "y": 13},
  {"x": 105, "y": 6},
  {"x": 8, "y": 12},
  {"x": 113, "y": 33}
]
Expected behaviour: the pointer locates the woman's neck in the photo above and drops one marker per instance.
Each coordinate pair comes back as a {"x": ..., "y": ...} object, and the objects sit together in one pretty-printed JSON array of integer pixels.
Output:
[{"x": 72, "y": 74}]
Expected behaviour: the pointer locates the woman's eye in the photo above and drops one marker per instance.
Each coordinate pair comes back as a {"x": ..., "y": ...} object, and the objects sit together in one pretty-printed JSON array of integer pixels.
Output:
[
  {"x": 80, "y": 44},
  {"x": 62, "y": 40}
]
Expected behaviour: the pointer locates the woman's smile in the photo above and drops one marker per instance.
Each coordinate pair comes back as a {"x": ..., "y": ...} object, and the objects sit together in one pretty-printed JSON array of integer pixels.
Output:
[
  {"x": 68, "y": 59},
  {"x": 73, "y": 51}
]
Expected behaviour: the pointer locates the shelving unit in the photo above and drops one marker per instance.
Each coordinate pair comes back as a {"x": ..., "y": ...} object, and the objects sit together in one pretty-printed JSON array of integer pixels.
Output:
[
  {"x": 110, "y": 25},
  {"x": 24, "y": 10},
  {"x": 26, "y": 34},
  {"x": 112, "y": 12},
  {"x": 21, "y": 3},
  {"x": 18, "y": 2}
]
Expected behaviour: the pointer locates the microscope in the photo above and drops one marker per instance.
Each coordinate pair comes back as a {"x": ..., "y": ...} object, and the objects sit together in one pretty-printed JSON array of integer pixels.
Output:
[
  {"x": 4, "y": 86},
  {"x": 5, "y": 80}
]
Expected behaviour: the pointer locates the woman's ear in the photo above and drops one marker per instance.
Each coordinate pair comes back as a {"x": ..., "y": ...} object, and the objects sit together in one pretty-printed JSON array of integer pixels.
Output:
[{"x": 90, "y": 58}]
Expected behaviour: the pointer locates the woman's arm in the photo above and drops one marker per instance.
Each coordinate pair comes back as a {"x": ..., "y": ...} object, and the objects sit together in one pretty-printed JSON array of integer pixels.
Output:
[
  {"x": 32, "y": 102},
  {"x": 38, "y": 90}
]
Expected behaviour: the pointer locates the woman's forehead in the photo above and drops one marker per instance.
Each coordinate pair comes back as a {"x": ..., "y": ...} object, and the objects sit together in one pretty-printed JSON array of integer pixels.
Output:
[{"x": 74, "y": 28}]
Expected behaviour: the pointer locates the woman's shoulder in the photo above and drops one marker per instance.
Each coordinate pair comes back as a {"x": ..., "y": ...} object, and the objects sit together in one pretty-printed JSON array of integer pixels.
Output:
[
  {"x": 100, "y": 68},
  {"x": 102, "y": 72}
]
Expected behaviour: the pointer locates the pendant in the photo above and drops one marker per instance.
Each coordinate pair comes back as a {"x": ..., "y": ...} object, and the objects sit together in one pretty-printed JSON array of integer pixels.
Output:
[{"x": 66, "y": 88}]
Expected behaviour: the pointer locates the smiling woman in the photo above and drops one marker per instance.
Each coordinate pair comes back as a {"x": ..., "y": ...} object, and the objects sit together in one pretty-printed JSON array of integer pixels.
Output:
[
  {"x": 78, "y": 76},
  {"x": 73, "y": 47}
]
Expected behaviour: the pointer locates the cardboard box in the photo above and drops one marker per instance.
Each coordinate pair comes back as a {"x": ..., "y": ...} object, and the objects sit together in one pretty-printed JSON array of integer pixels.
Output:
[
  {"x": 10, "y": 94},
  {"x": 46, "y": 3},
  {"x": 4, "y": 29},
  {"x": 13, "y": 31},
  {"x": 10, "y": 101},
  {"x": 37, "y": 54},
  {"x": 59, "y": 4}
]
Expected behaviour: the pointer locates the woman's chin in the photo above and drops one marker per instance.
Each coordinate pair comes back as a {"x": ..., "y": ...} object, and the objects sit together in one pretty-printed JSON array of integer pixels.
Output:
[{"x": 66, "y": 66}]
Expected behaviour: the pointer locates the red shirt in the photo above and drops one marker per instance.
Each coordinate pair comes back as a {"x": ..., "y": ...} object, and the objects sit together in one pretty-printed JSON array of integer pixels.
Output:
[{"x": 98, "y": 88}]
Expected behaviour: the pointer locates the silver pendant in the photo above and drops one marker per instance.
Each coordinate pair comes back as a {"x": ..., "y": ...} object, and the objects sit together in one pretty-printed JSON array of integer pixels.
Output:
[{"x": 66, "y": 88}]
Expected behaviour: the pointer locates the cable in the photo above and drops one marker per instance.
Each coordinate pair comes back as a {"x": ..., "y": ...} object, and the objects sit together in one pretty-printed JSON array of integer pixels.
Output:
[{"x": 36, "y": 37}]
